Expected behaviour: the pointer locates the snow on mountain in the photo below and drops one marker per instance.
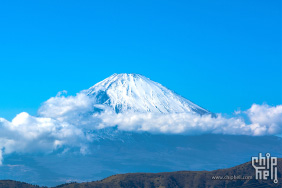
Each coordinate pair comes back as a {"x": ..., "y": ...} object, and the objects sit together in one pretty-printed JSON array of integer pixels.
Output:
[{"x": 136, "y": 93}]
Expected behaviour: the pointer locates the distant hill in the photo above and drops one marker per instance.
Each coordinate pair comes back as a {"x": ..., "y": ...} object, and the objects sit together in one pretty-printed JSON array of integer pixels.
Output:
[
  {"x": 193, "y": 179},
  {"x": 190, "y": 179},
  {"x": 16, "y": 184}
]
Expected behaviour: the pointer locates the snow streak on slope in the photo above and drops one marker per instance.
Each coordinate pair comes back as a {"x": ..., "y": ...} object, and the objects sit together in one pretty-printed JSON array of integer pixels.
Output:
[{"x": 136, "y": 93}]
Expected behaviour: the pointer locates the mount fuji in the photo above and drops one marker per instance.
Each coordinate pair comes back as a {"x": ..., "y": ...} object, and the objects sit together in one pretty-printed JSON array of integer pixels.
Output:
[
  {"x": 113, "y": 151},
  {"x": 136, "y": 93}
]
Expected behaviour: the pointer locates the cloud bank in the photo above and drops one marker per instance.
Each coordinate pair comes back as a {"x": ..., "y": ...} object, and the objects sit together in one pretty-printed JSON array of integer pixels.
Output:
[
  {"x": 264, "y": 120},
  {"x": 68, "y": 122}
]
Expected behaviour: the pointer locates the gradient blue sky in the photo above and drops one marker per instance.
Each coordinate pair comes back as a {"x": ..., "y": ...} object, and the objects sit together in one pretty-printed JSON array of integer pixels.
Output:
[{"x": 222, "y": 55}]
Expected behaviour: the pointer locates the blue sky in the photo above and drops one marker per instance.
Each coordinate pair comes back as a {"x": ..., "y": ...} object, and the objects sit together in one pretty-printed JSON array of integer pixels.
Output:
[{"x": 222, "y": 55}]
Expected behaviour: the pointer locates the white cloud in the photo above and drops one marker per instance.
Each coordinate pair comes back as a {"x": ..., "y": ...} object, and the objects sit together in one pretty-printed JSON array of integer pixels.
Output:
[
  {"x": 267, "y": 119},
  {"x": 184, "y": 123},
  {"x": 78, "y": 110},
  {"x": 26, "y": 134},
  {"x": 64, "y": 121},
  {"x": 71, "y": 108}
]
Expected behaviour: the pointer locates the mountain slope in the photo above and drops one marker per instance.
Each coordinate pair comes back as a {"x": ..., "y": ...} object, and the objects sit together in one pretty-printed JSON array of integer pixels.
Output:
[{"x": 134, "y": 92}]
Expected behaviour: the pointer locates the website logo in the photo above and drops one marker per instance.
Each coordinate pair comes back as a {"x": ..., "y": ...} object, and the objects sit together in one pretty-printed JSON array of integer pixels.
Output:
[{"x": 266, "y": 167}]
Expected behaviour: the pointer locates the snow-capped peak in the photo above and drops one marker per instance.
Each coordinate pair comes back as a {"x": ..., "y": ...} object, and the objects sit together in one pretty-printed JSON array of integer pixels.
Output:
[{"x": 135, "y": 92}]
